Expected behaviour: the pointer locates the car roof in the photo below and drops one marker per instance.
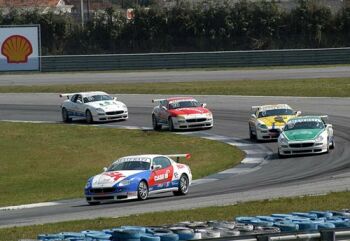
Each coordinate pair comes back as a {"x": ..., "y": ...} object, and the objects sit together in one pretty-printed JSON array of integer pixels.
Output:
[
  {"x": 276, "y": 106},
  {"x": 91, "y": 93},
  {"x": 180, "y": 98},
  {"x": 148, "y": 156}
]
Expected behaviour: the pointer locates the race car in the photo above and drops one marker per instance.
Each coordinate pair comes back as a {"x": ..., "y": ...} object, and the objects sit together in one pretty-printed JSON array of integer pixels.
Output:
[
  {"x": 137, "y": 177},
  {"x": 93, "y": 106},
  {"x": 306, "y": 135},
  {"x": 181, "y": 113},
  {"x": 267, "y": 121}
]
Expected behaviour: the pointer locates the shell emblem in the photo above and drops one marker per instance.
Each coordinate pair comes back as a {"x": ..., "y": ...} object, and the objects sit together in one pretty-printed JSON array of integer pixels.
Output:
[{"x": 16, "y": 49}]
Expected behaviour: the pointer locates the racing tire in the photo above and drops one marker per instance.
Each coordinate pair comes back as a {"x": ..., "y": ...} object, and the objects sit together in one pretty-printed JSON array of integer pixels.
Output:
[
  {"x": 171, "y": 124},
  {"x": 332, "y": 145},
  {"x": 142, "y": 191},
  {"x": 155, "y": 123},
  {"x": 89, "y": 118},
  {"x": 183, "y": 186},
  {"x": 251, "y": 135},
  {"x": 65, "y": 116},
  {"x": 93, "y": 203}
]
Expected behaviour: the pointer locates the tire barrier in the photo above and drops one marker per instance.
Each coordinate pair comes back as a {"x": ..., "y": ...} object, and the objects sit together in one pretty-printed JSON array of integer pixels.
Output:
[{"x": 244, "y": 225}]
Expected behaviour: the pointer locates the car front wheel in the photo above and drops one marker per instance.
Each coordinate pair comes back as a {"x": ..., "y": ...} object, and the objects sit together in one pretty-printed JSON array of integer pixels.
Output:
[
  {"x": 88, "y": 116},
  {"x": 183, "y": 186},
  {"x": 142, "y": 191},
  {"x": 155, "y": 124},
  {"x": 171, "y": 124}
]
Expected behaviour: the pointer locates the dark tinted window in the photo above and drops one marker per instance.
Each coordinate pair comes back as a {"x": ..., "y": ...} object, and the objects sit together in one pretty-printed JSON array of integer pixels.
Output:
[{"x": 162, "y": 161}]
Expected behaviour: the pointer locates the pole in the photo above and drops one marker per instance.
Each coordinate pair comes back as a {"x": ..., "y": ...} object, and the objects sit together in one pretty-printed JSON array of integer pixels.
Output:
[{"x": 82, "y": 12}]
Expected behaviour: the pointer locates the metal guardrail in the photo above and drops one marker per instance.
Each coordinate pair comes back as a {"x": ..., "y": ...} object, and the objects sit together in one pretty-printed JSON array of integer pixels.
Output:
[
  {"x": 196, "y": 59},
  {"x": 324, "y": 235}
]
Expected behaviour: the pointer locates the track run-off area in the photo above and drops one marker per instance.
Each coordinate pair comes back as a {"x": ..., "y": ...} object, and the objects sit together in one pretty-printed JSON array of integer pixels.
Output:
[{"x": 260, "y": 176}]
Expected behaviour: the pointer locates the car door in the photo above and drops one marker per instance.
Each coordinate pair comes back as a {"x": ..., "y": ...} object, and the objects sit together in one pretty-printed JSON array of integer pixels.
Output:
[
  {"x": 163, "y": 111},
  {"x": 162, "y": 173},
  {"x": 77, "y": 106}
]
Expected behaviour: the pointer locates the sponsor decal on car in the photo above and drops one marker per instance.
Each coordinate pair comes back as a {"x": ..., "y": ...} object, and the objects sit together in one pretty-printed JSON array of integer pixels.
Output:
[{"x": 115, "y": 175}]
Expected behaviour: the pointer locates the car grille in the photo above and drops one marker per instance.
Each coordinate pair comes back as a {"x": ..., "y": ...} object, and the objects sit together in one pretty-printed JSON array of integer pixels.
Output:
[
  {"x": 274, "y": 131},
  {"x": 115, "y": 112},
  {"x": 300, "y": 145},
  {"x": 102, "y": 190},
  {"x": 196, "y": 120}
]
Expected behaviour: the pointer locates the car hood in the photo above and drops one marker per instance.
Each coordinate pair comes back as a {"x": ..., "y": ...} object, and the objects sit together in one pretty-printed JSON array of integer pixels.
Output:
[
  {"x": 106, "y": 105},
  {"x": 279, "y": 121},
  {"x": 189, "y": 111},
  {"x": 303, "y": 134},
  {"x": 109, "y": 179}
]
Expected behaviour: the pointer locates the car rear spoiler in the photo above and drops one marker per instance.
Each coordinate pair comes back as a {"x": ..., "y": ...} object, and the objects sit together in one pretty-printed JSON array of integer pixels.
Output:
[
  {"x": 255, "y": 107},
  {"x": 67, "y": 95},
  {"x": 178, "y": 156},
  {"x": 157, "y": 100},
  {"x": 324, "y": 117}
]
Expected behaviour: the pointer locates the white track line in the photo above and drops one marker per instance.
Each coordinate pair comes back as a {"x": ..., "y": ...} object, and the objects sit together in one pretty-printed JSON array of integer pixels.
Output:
[{"x": 34, "y": 205}]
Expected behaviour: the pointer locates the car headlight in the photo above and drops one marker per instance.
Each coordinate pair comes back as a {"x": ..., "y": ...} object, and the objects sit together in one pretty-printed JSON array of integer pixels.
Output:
[
  {"x": 124, "y": 183},
  {"x": 88, "y": 184},
  {"x": 209, "y": 115},
  {"x": 283, "y": 140},
  {"x": 262, "y": 126},
  {"x": 181, "y": 117},
  {"x": 319, "y": 138},
  {"x": 99, "y": 110}
]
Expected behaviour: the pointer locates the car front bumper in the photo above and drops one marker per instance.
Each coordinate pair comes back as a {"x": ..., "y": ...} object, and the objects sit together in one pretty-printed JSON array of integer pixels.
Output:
[
  {"x": 302, "y": 148},
  {"x": 193, "y": 123},
  {"x": 268, "y": 134},
  {"x": 111, "y": 116}
]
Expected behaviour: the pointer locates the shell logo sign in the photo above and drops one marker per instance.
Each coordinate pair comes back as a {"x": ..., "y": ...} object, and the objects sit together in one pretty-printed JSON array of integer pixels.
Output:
[
  {"x": 20, "y": 48},
  {"x": 16, "y": 48}
]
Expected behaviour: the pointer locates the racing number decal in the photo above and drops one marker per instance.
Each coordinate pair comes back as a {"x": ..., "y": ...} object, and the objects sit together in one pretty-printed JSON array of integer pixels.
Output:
[{"x": 161, "y": 176}]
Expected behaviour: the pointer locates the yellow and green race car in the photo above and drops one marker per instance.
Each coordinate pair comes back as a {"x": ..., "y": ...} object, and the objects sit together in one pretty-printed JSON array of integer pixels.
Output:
[{"x": 266, "y": 121}]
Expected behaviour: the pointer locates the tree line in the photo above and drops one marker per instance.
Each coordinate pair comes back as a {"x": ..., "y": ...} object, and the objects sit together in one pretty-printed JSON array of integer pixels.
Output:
[{"x": 203, "y": 27}]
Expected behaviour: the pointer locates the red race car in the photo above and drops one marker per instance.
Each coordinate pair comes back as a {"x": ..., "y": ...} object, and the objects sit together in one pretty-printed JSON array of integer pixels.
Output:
[{"x": 181, "y": 113}]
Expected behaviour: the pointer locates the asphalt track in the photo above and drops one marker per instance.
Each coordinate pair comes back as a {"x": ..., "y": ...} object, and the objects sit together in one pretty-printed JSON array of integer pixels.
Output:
[
  {"x": 173, "y": 76},
  {"x": 272, "y": 178}
]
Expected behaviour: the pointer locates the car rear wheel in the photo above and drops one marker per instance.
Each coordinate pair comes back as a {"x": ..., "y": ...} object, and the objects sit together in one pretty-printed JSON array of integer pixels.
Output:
[
  {"x": 183, "y": 186},
  {"x": 88, "y": 116},
  {"x": 155, "y": 124},
  {"x": 332, "y": 145},
  {"x": 65, "y": 116},
  {"x": 171, "y": 124},
  {"x": 142, "y": 191}
]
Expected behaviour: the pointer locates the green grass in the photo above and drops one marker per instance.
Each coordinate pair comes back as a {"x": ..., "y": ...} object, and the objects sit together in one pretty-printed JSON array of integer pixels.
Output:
[
  {"x": 333, "y": 201},
  {"x": 336, "y": 87},
  {"x": 43, "y": 162}
]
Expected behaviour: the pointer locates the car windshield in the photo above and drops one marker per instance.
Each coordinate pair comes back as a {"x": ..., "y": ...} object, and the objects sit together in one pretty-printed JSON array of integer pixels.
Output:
[
  {"x": 184, "y": 104},
  {"x": 129, "y": 165},
  {"x": 274, "y": 112},
  {"x": 94, "y": 98},
  {"x": 297, "y": 125}
]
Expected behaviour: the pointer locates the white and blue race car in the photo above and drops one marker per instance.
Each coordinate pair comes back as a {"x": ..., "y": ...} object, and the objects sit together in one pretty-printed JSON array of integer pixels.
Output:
[
  {"x": 137, "y": 177},
  {"x": 93, "y": 106}
]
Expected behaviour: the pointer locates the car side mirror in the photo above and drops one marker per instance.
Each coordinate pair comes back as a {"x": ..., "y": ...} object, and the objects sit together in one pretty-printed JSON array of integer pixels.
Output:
[
  {"x": 79, "y": 102},
  {"x": 253, "y": 115},
  {"x": 105, "y": 169},
  {"x": 298, "y": 113},
  {"x": 156, "y": 167},
  {"x": 204, "y": 105},
  {"x": 115, "y": 98}
]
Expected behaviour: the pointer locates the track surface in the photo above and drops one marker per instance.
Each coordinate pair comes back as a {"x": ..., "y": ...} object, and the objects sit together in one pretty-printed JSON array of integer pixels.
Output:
[
  {"x": 275, "y": 178},
  {"x": 173, "y": 76}
]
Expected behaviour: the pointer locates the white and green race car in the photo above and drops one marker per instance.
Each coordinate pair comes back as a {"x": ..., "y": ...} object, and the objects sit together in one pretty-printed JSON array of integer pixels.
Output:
[{"x": 306, "y": 135}]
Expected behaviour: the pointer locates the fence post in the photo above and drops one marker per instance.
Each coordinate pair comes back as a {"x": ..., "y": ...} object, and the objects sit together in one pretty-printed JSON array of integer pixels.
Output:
[{"x": 327, "y": 235}]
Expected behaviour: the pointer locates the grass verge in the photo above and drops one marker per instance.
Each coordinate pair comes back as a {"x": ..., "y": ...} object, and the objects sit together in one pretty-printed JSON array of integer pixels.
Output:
[
  {"x": 332, "y": 87},
  {"x": 42, "y": 162},
  {"x": 333, "y": 201}
]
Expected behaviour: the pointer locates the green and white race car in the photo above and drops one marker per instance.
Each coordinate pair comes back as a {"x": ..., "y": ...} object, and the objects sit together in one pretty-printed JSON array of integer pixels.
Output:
[{"x": 306, "y": 135}]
